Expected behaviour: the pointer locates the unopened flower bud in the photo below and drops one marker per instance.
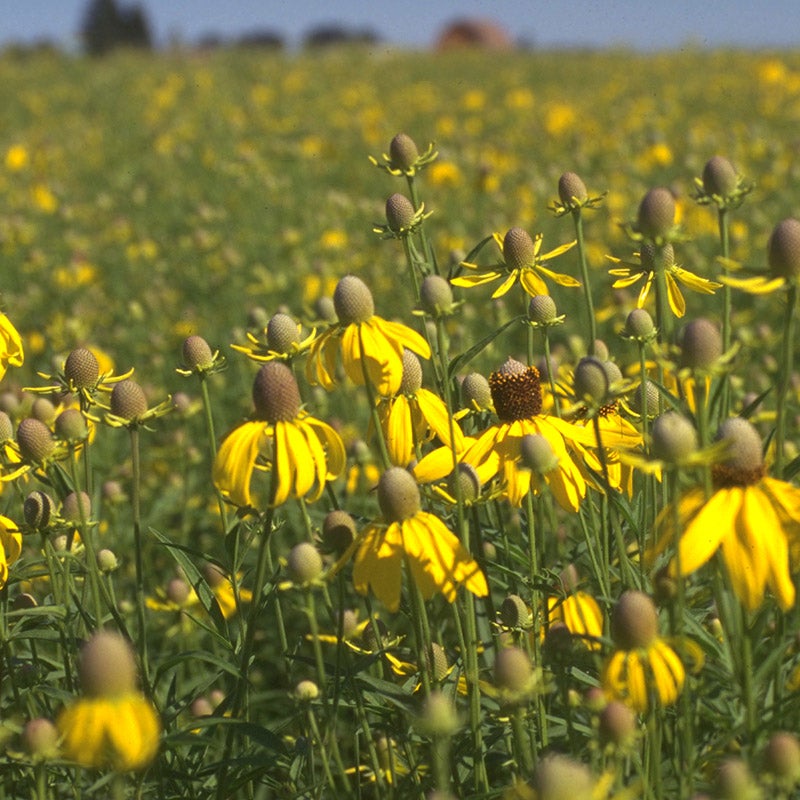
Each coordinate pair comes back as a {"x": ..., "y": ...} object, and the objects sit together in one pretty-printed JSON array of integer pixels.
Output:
[
  {"x": 475, "y": 391},
  {"x": 403, "y": 152},
  {"x": 719, "y": 177},
  {"x": 512, "y": 669},
  {"x": 435, "y": 296},
  {"x": 783, "y": 249},
  {"x": 542, "y": 309}
]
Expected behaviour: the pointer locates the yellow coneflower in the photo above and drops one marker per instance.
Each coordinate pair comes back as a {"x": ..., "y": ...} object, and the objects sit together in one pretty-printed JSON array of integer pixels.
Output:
[
  {"x": 371, "y": 347},
  {"x": 629, "y": 273},
  {"x": 517, "y": 398},
  {"x": 302, "y": 452},
  {"x": 751, "y": 518},
  {"x": 521, "y": 262},
  {"x": 436, "y": 558},
  {"x": 414, "y": 416},
  {"x": 643, "y": 670},
  {"x": 113, "y": 725}
]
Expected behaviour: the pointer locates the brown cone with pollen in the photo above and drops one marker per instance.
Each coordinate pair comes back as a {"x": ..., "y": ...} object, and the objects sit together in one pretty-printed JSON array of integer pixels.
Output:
[
  {"x": 516, "y": 391},
  {"x": 276, "y": 395}
]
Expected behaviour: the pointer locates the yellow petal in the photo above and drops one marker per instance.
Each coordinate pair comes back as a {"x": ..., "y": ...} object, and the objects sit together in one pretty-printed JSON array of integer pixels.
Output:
[
  {"x": 705, "y": 532},
  {"x": 233, "y": 466},
  {"x": 676, "y": 301},
  {"x": 506, "y": 285}
]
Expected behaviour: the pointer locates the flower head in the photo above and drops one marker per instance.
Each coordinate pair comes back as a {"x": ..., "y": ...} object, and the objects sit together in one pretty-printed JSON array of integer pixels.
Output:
[
  {"x": 282, "y": 339},
  {"x": 371, "y": 347},
  {"x": 721, "y": 184},
  {"x": 404, "y": 157},
  {"x": 652, "y": 259},
  {"x": 751, "y": 518},
  {"x": 521, "y": 262},
  {"x": 414, "y": 416},
  {"x": 113, "y": 725},
  {"x": 517, "y": 399},
  {"x": 783, "y": 259},
  {"x": 644, "y": 668},
  {"x": 436, "y": 558},
  {"x": 301, "y": 452}
]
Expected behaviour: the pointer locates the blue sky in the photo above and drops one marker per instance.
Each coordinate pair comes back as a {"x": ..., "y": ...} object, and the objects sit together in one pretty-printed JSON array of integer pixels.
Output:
[{"x": 643, "y": 25}]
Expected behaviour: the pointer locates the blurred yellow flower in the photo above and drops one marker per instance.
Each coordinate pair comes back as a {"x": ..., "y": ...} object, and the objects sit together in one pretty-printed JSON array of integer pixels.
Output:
[{"x": 17, "y": 158}]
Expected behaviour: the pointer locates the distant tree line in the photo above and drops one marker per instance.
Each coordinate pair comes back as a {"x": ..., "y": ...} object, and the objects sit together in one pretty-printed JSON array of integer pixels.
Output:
[{"x": 107, "y": 25}]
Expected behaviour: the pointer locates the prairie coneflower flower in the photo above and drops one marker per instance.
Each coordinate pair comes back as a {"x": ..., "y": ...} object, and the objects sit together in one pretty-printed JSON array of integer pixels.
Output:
[
  {"x": 521, "y": 261},
  {"x": 301, "y": 452},
  {"x": 281, "y": 340},
  {"x": 436, "y": 558},
  {"x": 113, "y": 725},
  {"x": 576, "y": 609},
  {"x": 643, "y": 670},
  {"x": 517, "y": 397},
  {"x": 752, "y": 519},
  {"x": 651, "y": 260},
  {"x": 414, "y": 416},
  {"x": 783, "y": 256},
  {"x": 86, "y": 373},
  {"x": 371, "y": 347}
]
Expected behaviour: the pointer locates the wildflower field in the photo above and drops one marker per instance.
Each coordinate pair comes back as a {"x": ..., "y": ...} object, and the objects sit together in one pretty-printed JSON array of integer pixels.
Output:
[{"x": 400, "y": 425}]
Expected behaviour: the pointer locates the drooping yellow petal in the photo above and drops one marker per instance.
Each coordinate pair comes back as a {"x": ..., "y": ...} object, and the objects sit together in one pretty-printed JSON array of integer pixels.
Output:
[
  {"x": 676, "y": 301},
  {"x": 400, "y": 433},
  {"x": 705, "y": 532},
  {"x": 626, "y": 278},
  {"x": 557, "y": 251},
  {"x": 402, "y": 337},
  {"x": 477, "y": 279},
  {"x": 506, "y": 285},
  {"x": 442, "y": 556},
  {"x": 695, "y": 282},
  {"x": 532, "y": 283},
  {"x": 435, "y": 413},
  {"x": 645, "y": 291},
  {"x": 558, "y": 277},
  {"x": 760, "y": 284},
  {"x": 744, "y": 560},
  {"x": 235, "y": 461},
  {"x": 379, "y": 564},
  {"x": 759, "y": 514},
  {"x": 335, "y": 455}
]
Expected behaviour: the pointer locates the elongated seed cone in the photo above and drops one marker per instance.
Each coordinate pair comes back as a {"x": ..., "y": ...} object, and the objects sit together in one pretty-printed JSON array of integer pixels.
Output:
[
  {"x": 674, "y": 438},
  {"x": 719, "y": 176},
  {"x": 398, "y": 495},
  {"x": 701, "y": 344},
  {"x": 518, "y": 248},
  {"x": 399, "y": 212},
  {"x": 352, "y": 300},
  {"x": 571, "y": 188},
  {"x": 34, "y": 439},
  {"x": 81, "y": 368},
  {"x": 656, "y": 213},
  {"x": 276, "y": 395},
  {"x": 403, "y": 151},
  {"x": 634, "y": 621},
  {"x": 783, "y": 249},
  {"x": 282, "y": 333},
  {"x": 197, "y": 353},
  {"x": 128, "y": 400},
  {"x": 107, "y": 666}
]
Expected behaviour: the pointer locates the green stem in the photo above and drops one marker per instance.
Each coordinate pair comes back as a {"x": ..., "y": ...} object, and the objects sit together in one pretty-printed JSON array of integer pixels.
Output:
[
  {"x": 138, "y": 544},
  {"x": 724, "y": 238},
  {"x": 787, "y": 363},
  {"x": 577, "y": 218}
]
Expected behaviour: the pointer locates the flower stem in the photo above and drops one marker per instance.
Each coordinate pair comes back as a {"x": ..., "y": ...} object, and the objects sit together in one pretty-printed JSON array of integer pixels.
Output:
[
  {"x": 577, "y": 218},
  {"x": 787, "y": 362}
]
